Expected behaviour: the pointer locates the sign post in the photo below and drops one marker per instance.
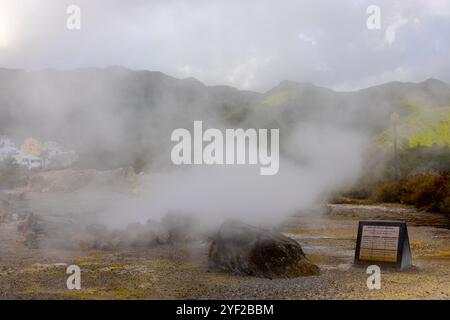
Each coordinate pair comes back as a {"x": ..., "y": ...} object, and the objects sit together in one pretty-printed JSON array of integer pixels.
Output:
[{"x": 383, "y": 242}]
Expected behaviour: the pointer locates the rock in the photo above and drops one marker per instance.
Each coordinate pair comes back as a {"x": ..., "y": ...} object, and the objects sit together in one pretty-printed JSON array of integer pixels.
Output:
[
  {"x": 56, "y": 231},
  {"x": 60, "y": 180},
  {"x": 161, "y": 235},
  {"x": 135, "y": 235},
  {"x": 71, "y": 180},
  {"x": 181, "y": 227},
  {"x": 243, "y": 249},
  {"x": 94, "y": 236},
  {"x": 139, "y": 236}
]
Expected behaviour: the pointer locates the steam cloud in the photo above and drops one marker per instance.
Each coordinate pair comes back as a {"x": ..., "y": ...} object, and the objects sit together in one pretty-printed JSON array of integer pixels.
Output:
[{"x": 111, "y": 116}]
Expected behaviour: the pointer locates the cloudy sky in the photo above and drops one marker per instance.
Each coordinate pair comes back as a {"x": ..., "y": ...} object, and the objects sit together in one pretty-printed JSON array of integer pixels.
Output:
[{"x": 251, "y": 44}]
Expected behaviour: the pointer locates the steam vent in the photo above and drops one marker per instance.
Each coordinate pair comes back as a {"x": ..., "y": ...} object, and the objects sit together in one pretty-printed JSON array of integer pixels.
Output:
[{"x": 243, "y": 249}]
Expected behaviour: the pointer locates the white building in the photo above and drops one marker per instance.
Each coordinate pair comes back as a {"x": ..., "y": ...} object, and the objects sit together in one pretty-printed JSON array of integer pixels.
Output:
[
  {"x": 52, "y": 155},
  {"x": 7, "y": 149}
]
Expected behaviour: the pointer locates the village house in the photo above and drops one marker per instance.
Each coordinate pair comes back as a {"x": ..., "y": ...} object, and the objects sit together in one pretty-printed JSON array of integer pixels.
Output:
[{"x": 33, "y": 154}]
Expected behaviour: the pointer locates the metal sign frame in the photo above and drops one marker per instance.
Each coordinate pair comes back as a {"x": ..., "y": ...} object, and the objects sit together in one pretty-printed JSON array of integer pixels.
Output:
[{"x": 403, "y": 260}]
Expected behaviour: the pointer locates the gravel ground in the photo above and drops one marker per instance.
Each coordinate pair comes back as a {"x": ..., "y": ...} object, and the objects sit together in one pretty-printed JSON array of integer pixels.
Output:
[{"x": 180, "y": 271}]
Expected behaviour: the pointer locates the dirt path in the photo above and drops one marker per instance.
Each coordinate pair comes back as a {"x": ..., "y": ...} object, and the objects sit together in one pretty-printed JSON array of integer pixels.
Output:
[{"x": 178, "y": 272}]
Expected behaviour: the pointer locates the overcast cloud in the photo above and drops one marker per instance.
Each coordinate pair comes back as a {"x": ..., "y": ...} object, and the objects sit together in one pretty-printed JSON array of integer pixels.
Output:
[{"x": 252, "y": 44}]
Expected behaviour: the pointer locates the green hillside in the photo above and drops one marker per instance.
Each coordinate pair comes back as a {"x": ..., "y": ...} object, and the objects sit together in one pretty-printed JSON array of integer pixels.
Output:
[{"x": 422, "y": 126}]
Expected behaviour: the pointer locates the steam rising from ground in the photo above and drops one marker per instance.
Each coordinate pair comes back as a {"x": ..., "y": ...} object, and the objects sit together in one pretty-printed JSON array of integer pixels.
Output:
[
  {"x": 134, "y": 114},
  {"x": 320, "y": 161}
]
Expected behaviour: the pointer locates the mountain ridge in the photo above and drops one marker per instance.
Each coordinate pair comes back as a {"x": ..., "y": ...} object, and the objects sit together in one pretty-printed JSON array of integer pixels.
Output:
[
  {"x": 123, "y": 114},
  {"x": 282, "y": 83}
]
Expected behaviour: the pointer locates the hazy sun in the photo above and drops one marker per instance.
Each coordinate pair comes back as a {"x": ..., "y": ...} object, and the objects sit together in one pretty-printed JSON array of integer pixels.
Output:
[
  {"x": 5, "y": 33},
  {"x": 9, "y": 11}
]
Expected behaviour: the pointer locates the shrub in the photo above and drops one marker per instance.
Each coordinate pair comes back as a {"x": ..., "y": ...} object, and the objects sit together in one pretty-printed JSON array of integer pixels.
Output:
[
  {"x": 424, "y": 191},
  {"x": 444, "y": 204},
  {"x": 389, "y": 192}
]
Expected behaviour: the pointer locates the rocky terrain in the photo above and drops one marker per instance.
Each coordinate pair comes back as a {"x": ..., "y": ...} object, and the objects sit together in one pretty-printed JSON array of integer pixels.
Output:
[{"x": 180, "y": 270}]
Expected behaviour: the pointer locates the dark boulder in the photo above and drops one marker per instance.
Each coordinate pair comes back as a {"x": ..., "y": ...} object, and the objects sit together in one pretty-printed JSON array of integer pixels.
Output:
[{"x": 244, "y": 249}]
